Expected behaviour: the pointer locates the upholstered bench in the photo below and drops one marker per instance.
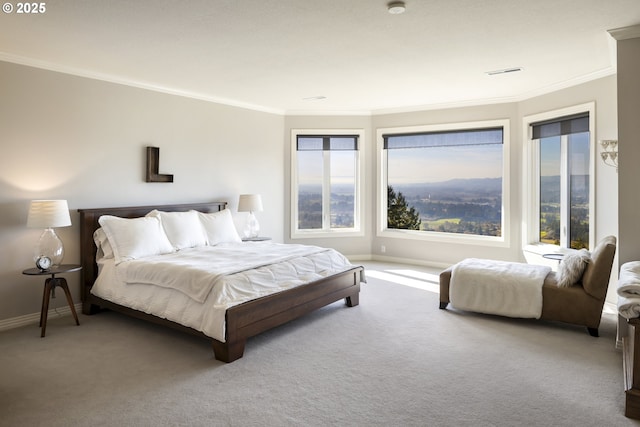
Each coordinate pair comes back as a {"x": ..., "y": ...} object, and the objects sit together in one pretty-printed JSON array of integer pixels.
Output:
[{"x": 579, "y": 304}]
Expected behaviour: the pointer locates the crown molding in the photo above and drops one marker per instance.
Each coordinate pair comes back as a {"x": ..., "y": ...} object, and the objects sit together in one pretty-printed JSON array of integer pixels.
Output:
[
  {"x": 49, "y": 66},
  {"x": 625, "y": 33}
]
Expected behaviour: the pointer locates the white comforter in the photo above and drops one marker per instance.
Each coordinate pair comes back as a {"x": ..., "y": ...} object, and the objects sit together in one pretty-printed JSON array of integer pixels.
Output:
[
  {"x": 195, "y": 271},
  {"x": 167, "y": 285},
  {"x": 498, "y": 287}
]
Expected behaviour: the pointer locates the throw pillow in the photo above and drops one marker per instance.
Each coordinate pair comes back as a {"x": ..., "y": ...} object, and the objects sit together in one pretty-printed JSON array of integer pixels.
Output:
[
  {"x": 572, "y": 268},
  {"x": 182, "y": 228},
  {"x": 134, "y": 238},
  {"x": 219, "y": 227}
]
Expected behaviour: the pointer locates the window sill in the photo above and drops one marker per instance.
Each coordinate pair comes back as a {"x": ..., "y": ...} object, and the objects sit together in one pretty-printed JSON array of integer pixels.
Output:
[
  {"x": 325, "y": 233},
  {"x": 533, "y": 253},
  {"x": 434, "y": 236},
  {"x": 543, "y": 248}
]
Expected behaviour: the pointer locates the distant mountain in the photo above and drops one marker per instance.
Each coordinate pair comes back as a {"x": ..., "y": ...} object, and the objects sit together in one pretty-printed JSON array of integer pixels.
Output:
[
  {"x": 454, "y": 188},
  {"x": 550, "y": 188},
  {"x": 468, "y": 189}
]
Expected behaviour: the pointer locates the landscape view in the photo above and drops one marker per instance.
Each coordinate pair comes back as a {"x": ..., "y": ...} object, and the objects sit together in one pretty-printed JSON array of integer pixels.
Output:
[
  {"x": 466, "y": 206},
  {"x": 579, "y": 213},
  {"x": 310, "y": 206},
  {"x": 470, "y": 206}
]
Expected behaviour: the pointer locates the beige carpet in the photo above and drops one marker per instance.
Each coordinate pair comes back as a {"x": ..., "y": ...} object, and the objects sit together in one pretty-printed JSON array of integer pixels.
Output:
[{"x": 395, "y": 360}]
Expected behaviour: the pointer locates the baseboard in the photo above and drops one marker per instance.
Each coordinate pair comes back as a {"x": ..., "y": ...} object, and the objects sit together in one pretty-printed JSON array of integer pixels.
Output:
[
  {"x": 354, "y": 258},
  {"x": 34, "y": 318},
  {"x": 384, "y": 258},
  {"x": 397, "y": 260}
]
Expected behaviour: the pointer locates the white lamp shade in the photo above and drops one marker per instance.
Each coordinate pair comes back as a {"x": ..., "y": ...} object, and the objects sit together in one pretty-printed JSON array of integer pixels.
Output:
[
  {"x": 250, "y": 203},
  {"x": 48, "y": 214}
]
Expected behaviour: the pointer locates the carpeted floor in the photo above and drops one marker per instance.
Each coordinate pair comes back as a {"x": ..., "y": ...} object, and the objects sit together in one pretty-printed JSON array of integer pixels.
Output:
[{"x": 394, "y": 360}]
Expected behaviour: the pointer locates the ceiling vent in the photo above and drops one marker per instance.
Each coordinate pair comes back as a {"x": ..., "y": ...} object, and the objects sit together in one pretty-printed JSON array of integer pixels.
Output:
[{"x": 505, "y": 71}]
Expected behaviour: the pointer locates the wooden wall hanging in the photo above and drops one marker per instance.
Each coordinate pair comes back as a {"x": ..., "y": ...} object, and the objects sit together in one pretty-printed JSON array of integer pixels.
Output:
[{"x": 153, "y": 165}]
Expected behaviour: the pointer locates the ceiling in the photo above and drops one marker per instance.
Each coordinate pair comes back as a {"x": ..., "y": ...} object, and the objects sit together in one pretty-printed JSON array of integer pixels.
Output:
[{"x": 282, "y": 55}]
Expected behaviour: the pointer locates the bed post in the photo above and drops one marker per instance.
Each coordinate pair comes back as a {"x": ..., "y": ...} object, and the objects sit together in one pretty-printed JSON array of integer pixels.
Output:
[
  {"x": 88, "y": 223},
  {"x": 352, "y": 300},
  {"x": 228, "y": 351}
]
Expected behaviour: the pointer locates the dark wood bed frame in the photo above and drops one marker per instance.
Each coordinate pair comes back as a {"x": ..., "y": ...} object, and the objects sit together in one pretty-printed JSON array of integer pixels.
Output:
[{"x": 242, "y": 321}]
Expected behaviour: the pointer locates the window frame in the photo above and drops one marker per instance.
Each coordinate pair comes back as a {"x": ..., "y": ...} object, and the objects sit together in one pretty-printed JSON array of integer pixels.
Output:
[
  {"x": 358, "y": 228},
  {"x": 437, "y": 236},
  {"x": 531, "y": 178}
]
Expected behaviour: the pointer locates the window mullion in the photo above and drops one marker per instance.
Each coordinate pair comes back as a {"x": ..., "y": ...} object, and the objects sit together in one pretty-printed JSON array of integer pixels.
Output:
[
  {"x": 326, "y": 191},
  {"x": 534, "y": 197},
  {"x": 564, "y": 192}
]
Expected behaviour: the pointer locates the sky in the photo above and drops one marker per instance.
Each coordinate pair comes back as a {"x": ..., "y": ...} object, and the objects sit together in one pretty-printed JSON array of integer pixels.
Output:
[
  {"x": 420, "y": 165},
  {"x": 311, "y": 167},
  {"x": 578, "y": 154}
]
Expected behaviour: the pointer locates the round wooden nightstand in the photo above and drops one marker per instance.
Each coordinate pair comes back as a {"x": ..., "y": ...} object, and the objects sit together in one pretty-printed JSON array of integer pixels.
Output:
[{"x": 50, "y": 289}]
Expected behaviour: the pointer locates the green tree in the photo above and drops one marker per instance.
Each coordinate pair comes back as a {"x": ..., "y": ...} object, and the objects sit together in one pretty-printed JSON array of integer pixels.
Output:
[{"x": 399, "y": 214}]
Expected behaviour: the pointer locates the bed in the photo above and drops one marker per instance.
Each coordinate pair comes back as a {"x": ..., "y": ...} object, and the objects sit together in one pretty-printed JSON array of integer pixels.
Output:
[{"x": 241, "y": 321}]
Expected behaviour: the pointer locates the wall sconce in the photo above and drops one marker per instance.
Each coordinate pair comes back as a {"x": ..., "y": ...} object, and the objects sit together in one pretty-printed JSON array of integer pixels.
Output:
[
  {"x": 250, "y": 203},
  {"x": 609, "y": 152}
]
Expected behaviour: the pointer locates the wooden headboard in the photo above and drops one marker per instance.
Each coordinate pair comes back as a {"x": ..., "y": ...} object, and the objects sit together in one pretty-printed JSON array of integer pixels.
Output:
[{"x": 89, "y": 224}]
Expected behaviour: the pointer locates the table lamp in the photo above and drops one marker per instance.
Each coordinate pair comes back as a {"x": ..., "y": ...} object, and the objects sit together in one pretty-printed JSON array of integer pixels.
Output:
[
  {"x": 250, "y": 203},
  {"x": 49, "y": 214}
]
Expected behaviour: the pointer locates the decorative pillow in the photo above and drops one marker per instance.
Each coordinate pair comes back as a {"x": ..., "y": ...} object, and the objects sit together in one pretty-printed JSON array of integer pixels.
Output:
[
  {"x": 183, "y": 229},
  {"x": 102, "y": 243},
  {"x": 135, "y": 238},
  {"x": 219, "y": 227},
  {"x": 572, "y": 268}
]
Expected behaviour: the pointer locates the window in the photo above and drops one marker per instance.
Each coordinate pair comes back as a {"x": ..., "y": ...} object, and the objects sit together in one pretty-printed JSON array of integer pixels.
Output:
[
  {"x": 561, "y": 178},
  {"x": 442, "y": 182},
  {"x": 326, "y": 183}
]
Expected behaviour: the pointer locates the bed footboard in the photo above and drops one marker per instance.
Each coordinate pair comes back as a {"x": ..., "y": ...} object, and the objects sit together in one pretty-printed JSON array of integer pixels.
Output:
[{"x": 253, "y": 317}]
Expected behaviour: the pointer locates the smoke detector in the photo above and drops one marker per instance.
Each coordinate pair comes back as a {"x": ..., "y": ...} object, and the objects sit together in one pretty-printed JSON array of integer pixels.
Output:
[{"x": 396, "y": 7}]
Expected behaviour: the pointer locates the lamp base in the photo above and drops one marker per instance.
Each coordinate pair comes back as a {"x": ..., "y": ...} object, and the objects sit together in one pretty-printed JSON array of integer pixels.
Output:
[
  {"x": 50, "y": 245},
  {"x": 251, "y": 228}
]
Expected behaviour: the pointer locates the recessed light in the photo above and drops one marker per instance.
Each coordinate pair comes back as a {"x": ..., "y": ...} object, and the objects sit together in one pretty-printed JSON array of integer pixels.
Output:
[
  {"x": 396, "y": 7},
  {"x": 504, "y": 71}
]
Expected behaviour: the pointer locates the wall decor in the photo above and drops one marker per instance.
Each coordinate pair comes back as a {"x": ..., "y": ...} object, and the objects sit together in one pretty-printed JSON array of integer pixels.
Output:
[{"x": 153, "y": 165}]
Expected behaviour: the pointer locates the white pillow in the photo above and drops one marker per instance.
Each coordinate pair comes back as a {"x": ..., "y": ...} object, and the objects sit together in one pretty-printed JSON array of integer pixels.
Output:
[
  {"x": 135, "y": 238},
  {"x": 572, "y": 268},
  {"x": 183, "y": 229},
  {"x": 219, "y": 227},
  {"x": 102, "y": 243}
]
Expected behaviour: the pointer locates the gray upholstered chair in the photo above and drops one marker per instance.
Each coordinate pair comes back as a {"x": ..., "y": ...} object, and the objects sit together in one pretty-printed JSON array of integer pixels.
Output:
[{"x": 580, "y": 304}]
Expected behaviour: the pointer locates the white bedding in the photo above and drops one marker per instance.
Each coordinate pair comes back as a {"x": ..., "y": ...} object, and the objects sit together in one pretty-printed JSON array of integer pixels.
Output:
[
  {"x": 229, "y": 279},
  {"x": 629, "y": 290},
  {"x": 497, "y": 287},
  {"x": 629, "y": 280},
  {"x": 195, "y": 271}
]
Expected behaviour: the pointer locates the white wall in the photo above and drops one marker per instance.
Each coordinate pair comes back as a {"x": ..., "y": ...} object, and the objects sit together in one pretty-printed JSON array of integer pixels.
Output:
[
  {"x": 629, "y": 145},
  {"x": 84, "y": 140},
  {"x": 601, "y": 91}
]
